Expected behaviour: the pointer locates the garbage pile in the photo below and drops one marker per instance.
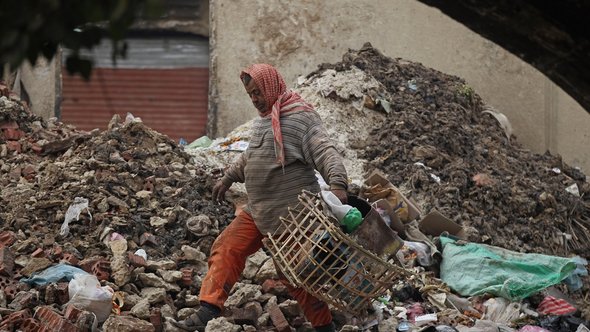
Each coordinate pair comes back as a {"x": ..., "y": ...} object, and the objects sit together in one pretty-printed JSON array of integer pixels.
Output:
[{"x": 127, "y": 212}]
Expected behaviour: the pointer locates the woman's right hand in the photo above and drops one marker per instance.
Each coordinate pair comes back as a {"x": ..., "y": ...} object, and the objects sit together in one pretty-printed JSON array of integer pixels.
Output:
[{"x": 219, "y": 191}]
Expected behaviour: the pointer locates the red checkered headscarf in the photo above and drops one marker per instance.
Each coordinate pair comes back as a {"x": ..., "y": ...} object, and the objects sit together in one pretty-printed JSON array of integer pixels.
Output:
[{"x": 278, "y": 98}]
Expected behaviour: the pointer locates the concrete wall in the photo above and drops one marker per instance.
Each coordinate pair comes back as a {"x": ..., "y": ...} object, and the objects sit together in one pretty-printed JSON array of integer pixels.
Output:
[
  {"x": 40, "y": 86},
  {"x": 296, "y": 36}
]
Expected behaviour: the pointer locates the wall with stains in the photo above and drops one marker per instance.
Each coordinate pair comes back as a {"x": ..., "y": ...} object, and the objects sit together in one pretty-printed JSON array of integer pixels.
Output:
[{"x": 296, "y": 36}]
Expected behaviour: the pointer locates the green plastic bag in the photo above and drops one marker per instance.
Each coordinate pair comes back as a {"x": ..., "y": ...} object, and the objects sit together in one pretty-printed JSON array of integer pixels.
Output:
[{"x": 475, "y": 269}]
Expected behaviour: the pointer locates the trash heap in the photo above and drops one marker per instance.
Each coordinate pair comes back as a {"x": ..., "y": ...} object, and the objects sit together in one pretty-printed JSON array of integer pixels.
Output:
[
  {"x": 449, "y": 152},
  {"x": 127, "y": 211}
]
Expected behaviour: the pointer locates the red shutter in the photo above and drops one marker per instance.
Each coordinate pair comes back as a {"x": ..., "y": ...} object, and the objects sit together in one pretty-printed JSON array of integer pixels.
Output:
[{"x": 171, "y": 101}]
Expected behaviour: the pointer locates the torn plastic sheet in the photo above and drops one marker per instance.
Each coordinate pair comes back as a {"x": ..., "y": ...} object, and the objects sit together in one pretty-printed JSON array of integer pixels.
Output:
[{"x": 73, "y": 212}]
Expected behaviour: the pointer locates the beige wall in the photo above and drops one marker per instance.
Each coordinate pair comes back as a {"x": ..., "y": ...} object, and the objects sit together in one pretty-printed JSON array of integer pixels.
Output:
[
  {"x": 42, "y": 84},
  {"x": 296, "y": 36}
]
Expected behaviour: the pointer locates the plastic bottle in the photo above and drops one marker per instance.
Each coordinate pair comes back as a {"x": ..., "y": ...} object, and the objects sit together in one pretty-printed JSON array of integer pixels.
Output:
[
  {"x": 352, "y": 220},
  {"x": 348, "y": 216}
]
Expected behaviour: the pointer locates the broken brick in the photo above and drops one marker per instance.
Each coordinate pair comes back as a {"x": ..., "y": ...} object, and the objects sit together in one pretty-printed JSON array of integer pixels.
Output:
[
  {"x": 72, "y": 313},
  {"x": 156, "y": 319},
  {"x": 274, "y": 286},
  {"x": 278, "y": 319},
  {"x": 36, "y": 148},
  {"x": 38, "y": 253},
  {"x": 11, "y": 134},
  {"x": 32, "y": 325},
  {"x": 6, "y": 262},
  {"x": 187, "y": 276},
  {"x": 147, "y": 238},
  {"x": 57, "y": 293},
  {"x": 57, "y": 251},
  {"x": 8, "y": 125},
  {"x": 149, "y": 183},
  {"x": 101, "y": 270},
  {"x": 70, "y": 259},
  {"x": 23, "y": 300},
  {"x": 7, "y": 238},
  {"x": 245, "y": 316},
  {"x": 29, "y": 172},
  {"x": 10, "y": 291},
  {"x": 136, "y": 260},
  {"x": 87, "y": 263},
  {"x": 15, "y": 319},
  {"x": 53, "y": 321},
  {"x": 14, "y": 146}
]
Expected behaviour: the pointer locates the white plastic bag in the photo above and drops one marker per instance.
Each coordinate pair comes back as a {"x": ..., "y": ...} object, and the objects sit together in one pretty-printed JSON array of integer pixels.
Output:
[
  {"x": 73, "y": 212},
  {"x": 338, "y": 209},
  {"x": 87, "y": 294}
]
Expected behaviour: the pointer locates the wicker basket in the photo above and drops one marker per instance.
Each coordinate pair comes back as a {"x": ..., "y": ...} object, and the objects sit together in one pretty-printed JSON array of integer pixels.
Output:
[{"x": 313, "y": 253}]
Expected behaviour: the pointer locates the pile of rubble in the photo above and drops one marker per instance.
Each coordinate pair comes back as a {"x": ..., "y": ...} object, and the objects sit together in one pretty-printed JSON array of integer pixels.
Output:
[{"x": 132, "y": 208}]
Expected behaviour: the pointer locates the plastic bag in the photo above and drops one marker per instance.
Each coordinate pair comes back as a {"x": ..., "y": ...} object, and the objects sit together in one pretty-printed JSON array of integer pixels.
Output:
[
  {"x": 423, "y": 253},
  {"x": 87, "y": 294},
  {"x": 73, "y": 212},
  {"x": 53, "y": 274},
  {"x": 348, "y": 216},
  {"x": 574, "y": 281},
  {"x": 474, "y": 269},
  {"x": 500, "y": 310}
]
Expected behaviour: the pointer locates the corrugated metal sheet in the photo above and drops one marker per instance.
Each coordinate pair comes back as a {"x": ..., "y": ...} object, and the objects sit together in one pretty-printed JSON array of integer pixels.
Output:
[
  {"x": 156, "y": 52},
  {"x": 171, "y": 101}
]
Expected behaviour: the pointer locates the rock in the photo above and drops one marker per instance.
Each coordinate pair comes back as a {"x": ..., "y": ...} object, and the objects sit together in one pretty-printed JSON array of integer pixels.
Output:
[
  {"x": 167, "y": 311},
  {"x": 267, "y": 271},
  {"x": 185, "y": 312},
  {"x": 118, "y": 247},
  {"x": 222, "y": 324},
  {"x": 169, "y": 325},
  {"x": 164, "y": 264},
  {"x": 170, "y": 276},
  {"x": 141, "y": 309},
  {"x": 121, "y": 274},
  {"x": 201, "y": 225},
  {"x": 150, "y": 279},
  {"x": 389, "y": 324},
  {"x": 131, "y": 300},
  {"x": 193, "y": 254},
  {"x": 264, "y": 319},
  {"x": 127, "y": 324},
  {"x": 242, "y": 293},
  {"x": 158, "y": 222},
  {"x": 253, "y": 264},
  {"x": 191, "y": 300},
  {"x": 153, "y": 294},
  {"x": 290, "y": 308},
  {"x": 35, "y": 265}
]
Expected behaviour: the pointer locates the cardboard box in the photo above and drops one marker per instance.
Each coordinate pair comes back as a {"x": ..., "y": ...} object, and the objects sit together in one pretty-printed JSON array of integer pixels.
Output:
[
  {"x": 396, "y": 224},
  {"x": 434, "y": 223},
  {"x": 377, "y": 178},
  {"x": 374, "y": 234}
]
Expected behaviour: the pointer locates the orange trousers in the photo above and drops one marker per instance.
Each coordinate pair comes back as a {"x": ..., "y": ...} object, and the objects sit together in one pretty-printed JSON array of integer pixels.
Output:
[{"x": 227, "y": 261}]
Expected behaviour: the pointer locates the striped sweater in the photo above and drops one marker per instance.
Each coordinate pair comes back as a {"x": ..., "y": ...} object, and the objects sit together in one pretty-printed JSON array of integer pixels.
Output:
[{"x": 270, "y": 188}]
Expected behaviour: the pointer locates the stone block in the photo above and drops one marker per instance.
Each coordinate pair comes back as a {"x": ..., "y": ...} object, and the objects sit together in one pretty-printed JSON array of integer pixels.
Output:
[{"x": 127, "y": 324}]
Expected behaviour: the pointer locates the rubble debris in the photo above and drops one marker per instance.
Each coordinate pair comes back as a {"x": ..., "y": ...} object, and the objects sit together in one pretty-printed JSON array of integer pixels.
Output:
[{"x": 150, "y": 221}]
